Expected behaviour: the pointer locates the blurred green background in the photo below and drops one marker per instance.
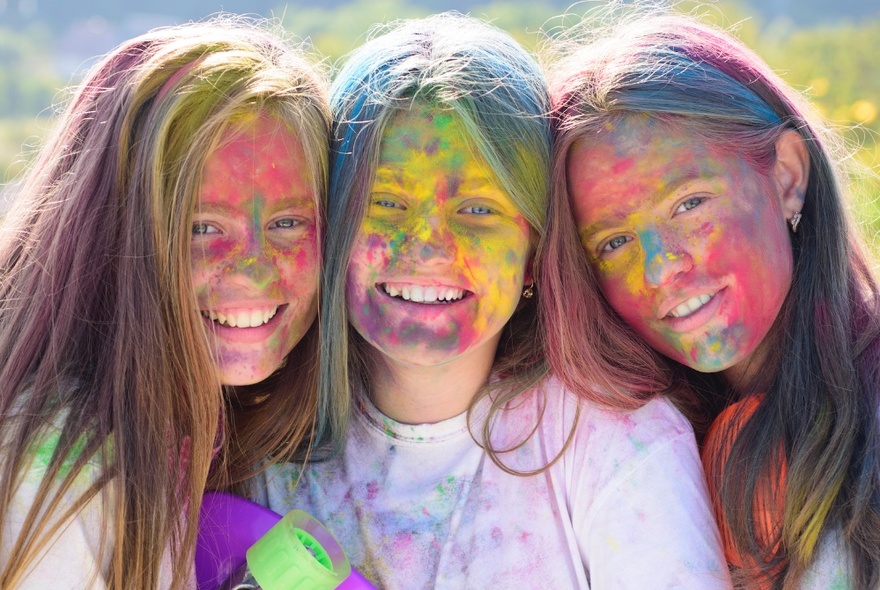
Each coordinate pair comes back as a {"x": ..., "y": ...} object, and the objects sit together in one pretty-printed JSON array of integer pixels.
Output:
[{"x": 828, "y": 51}]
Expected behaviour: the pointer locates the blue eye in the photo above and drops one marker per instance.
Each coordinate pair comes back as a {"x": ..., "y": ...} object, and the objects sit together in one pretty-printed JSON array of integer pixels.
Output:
[
  {"x": 286, "y": 223},
  {"x": 690, "y": 203},
  {"x": 388, "y": 204},
  {"x": 615, "y": 243},
  {"x": 477, "y": 210},
  {"x": 199, "y": 229}
]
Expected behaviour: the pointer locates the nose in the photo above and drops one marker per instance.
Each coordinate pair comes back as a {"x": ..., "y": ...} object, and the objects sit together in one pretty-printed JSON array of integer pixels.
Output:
[
  {"x": 431, "y": 242},
  {"x": 256, "y": 265},
  {"x": 665, "y": 260}
]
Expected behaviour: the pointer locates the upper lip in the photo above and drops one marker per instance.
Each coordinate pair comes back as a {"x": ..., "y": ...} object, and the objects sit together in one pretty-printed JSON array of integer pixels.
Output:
[{"x": 670, "y": 303}]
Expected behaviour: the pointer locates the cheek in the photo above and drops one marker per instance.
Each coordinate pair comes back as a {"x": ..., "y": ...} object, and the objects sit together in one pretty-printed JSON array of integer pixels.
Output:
[
  {"x": 622, "y": 282},
  {"x": 372, "y": 252},
  {"x": 299, "y": 265},
  {"x": 209, "y": 261}
]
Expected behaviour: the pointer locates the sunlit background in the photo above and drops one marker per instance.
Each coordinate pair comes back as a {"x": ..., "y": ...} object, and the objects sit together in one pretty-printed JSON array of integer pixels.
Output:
[{"x": 828, "y": 50}]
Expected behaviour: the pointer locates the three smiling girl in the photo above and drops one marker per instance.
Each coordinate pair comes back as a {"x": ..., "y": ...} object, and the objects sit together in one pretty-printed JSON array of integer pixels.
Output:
[{"x": 678, "y": 162}]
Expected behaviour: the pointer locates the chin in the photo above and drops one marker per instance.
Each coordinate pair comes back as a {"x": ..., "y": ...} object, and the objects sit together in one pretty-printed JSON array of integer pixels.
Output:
[{"x": 239, "y": 378}]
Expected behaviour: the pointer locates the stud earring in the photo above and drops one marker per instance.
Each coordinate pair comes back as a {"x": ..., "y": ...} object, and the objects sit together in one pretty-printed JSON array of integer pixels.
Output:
[
  {"x": 795, "y": 222},
  {"x": 529, "y": 291}
]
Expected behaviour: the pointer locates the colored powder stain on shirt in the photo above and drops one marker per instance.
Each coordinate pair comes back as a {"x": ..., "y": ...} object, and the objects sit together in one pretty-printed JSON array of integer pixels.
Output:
[
  {"x": 638, "y": 444},
  {"x": 43, "y": 450},
  {"x": 449, "y": 487},
  {"x": 372, "y": 490}
]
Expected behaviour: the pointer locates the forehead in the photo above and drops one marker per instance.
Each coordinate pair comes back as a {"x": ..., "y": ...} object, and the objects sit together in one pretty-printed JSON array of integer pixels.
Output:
[
  {"x": 262, "y": 155},
  {"x": 427, "y": 131},
  {"x": 634, "y": 160},
  {"x": 255, "y": 140}
]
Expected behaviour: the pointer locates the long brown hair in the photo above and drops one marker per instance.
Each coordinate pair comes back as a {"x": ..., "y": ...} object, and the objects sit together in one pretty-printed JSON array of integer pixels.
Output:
[
  {"x": 819, "y": 415},
  {"x": 100, "y": 336}
]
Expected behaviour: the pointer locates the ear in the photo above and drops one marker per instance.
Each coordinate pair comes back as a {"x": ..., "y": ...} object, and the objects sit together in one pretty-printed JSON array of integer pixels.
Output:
[
  {"x": 529, "y": 274},
  {"x": 791, "y": 172}
]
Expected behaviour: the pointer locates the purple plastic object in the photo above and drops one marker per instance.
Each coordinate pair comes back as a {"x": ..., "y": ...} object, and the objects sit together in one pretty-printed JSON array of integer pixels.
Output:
[
  {"x": 355, "y": 581},
  {"x": 228, "y": 526}
]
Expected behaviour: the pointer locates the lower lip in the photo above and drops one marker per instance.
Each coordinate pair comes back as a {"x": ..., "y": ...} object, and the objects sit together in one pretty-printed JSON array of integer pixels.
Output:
[
  {"x": 246, "y": 335},
  {"x": 699, "y": 317}
]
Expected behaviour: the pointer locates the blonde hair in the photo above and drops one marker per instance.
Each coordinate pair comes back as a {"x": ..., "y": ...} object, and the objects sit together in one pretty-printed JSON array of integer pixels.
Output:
[{"x": 100, "y": 333}]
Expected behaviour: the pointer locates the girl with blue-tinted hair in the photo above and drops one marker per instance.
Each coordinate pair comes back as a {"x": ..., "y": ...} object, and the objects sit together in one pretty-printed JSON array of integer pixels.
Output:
[
  {"x": 466, "y": 465},
  {"x": 706, "y": 197}
]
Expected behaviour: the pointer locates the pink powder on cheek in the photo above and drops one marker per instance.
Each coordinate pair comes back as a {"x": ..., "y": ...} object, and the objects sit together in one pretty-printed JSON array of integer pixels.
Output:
[
  {"x": 303, "y": 259},
  {"x": 374, "y": 250},
  {"x": 622, "y": 166},
  {"x": 217, "y": 251}
]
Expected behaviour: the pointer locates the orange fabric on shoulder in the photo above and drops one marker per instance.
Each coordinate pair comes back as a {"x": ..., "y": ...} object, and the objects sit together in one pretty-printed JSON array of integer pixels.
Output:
[{"x": 767, "y": 509}]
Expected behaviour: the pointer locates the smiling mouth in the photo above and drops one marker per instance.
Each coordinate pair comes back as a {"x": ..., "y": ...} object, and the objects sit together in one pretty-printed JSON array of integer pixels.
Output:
[
  {"x": 690, "y": 306},
  {"x": 420, "y": 294},
  {"x": 242, "y": 318}
]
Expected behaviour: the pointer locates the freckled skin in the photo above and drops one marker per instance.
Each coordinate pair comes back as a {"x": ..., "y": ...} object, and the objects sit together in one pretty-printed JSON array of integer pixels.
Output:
[
  {"x": 665, "y": 217},
  {"x": 437, "y": 216},
  {"x": 255, "y": 245}
]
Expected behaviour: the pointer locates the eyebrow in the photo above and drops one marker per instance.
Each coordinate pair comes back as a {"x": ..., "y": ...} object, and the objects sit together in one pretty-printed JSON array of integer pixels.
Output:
[
  {"x": 293, "y": 202},
  {"x": 391, "y": 174}
]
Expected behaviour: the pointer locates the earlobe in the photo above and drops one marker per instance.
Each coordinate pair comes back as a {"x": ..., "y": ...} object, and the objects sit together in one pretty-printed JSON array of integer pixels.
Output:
[{"x": 791, "y": 172}]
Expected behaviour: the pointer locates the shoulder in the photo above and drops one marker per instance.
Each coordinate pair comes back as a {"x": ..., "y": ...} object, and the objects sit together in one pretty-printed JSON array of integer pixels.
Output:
[
  {"x": 583, "y": 434},
  {"x": 636, "y": 494},
  {"x": 656, "y": 421}
]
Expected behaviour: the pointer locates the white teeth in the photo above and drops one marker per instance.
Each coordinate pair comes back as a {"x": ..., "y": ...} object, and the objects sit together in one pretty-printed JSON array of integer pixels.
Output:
[
  {"x": 244, "y": 318},
  {"x": 421, "y": 294},
  {"x": 690, "y": 306}
]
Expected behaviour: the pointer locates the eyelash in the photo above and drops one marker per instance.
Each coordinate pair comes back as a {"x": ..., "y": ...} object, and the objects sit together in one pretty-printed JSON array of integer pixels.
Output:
[
  {"x": 293, "y": 223},
  {"x": 606, "y": 247},
  {"x": 699, "y": 201},
  {"x": 388, "y": 204},
  {"x": 201, "y": 229},
  {"x": 470, "y": 209}
]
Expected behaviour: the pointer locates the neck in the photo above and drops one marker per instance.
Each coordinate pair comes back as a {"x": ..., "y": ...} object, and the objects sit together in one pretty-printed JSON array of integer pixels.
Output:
[
  {"x": 754, "y": 374},
  {"x": 416, "y": 394}
]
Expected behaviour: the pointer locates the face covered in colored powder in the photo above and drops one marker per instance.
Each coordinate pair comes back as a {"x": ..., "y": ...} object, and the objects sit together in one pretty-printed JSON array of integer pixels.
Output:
[
  {"x": 255, "y": 250},
  {"x": 438, "y": 267},
  {"x": 690, "y": 246}
]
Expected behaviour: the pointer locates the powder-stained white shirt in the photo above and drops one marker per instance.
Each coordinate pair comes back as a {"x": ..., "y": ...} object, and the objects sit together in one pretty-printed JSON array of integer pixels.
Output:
[
  {"x": 424, "y": 506},
  {"x": 79, "y": 555},
  {"x": 830, "y": 569}
]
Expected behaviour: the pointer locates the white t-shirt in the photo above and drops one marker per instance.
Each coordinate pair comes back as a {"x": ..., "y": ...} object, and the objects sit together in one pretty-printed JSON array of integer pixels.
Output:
[
  {"x": 830, "y": 567},
  {"x": 79, "y": 554},
  {"x": 424, "y": 506}
]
